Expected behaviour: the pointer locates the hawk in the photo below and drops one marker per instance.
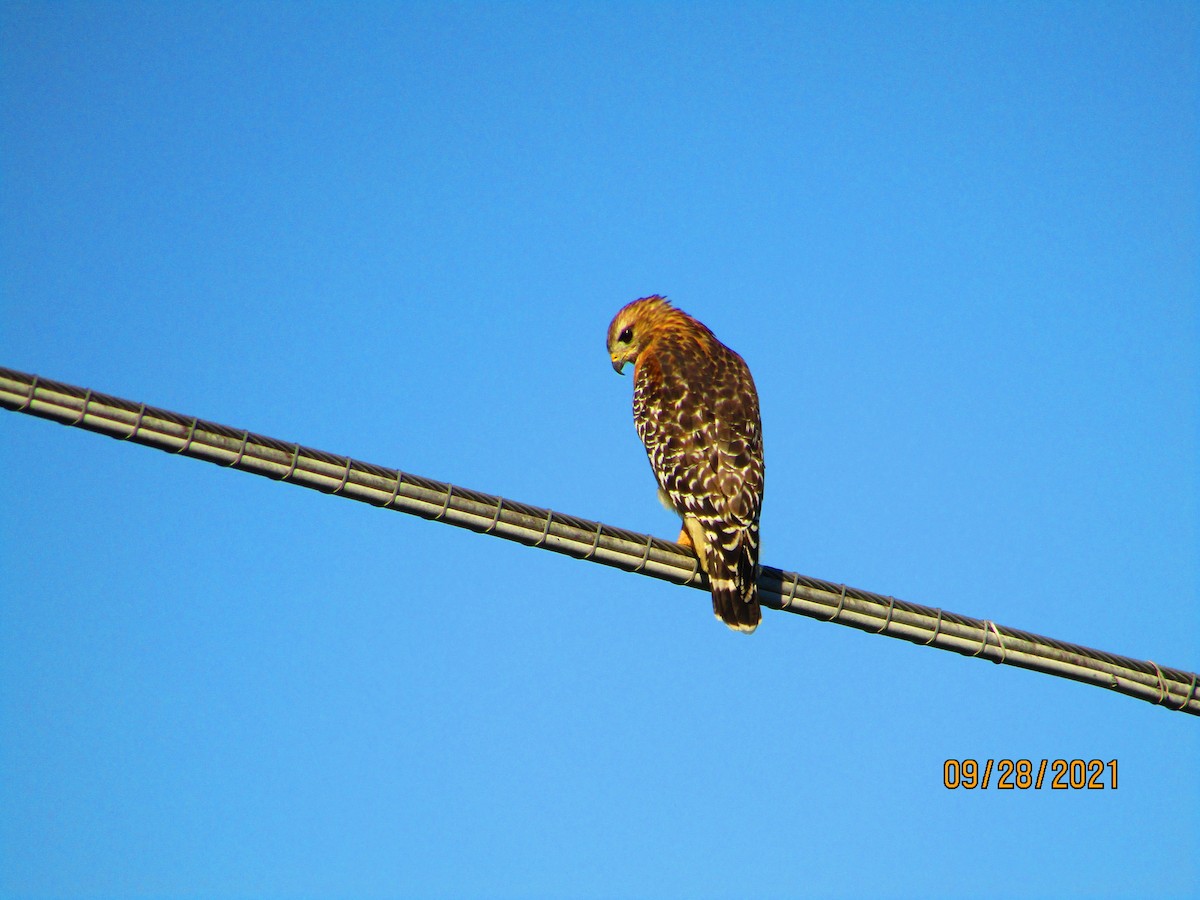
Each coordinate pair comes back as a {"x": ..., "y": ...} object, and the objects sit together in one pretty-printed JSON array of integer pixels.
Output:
[{"x": 696, "y": 410}]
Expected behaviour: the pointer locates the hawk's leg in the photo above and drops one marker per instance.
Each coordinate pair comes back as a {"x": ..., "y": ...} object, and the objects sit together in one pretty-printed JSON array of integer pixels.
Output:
[{"x": 692, "y": 537}]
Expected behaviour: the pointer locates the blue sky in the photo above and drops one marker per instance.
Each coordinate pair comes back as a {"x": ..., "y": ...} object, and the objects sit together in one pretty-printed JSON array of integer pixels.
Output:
[{"x": 957, "y": 245}]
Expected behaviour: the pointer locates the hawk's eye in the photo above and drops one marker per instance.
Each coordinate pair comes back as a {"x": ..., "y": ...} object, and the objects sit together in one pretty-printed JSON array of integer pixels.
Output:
[{"x": 626, "y": 335}]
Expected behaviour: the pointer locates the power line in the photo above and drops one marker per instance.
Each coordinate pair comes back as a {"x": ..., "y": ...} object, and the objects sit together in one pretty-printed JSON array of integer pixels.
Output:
[{"x": 643, "y": 554}]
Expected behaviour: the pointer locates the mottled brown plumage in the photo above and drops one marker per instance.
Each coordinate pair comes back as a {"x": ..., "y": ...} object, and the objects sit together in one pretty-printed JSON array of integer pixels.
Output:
[{"x": 696, "y": 410}]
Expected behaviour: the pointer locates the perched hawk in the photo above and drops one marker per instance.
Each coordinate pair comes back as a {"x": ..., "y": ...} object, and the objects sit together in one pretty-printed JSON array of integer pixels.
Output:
[{"x": 696, "y": 410}]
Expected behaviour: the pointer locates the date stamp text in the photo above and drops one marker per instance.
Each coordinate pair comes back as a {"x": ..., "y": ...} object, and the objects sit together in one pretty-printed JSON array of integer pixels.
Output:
[{"x": 1024, "y": 774}]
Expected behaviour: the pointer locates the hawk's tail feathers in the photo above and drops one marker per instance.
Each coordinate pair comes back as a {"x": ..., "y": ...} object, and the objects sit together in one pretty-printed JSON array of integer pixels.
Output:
[
  {"x": 732, "y": 575},
  {"x": 736, "y": 607}
]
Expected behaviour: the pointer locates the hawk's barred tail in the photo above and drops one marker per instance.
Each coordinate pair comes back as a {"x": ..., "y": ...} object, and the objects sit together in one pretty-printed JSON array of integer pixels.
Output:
[
  {"x": 739, "y": 611},
  {"x": 735, "y": 593}
]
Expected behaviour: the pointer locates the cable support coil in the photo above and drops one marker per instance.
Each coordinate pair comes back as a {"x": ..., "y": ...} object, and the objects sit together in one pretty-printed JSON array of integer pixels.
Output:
[{"x": 487, "y": 514}]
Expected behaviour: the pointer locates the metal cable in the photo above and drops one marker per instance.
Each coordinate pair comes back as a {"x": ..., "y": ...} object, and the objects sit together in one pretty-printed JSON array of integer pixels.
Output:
[{"x": 826, "y": 601}]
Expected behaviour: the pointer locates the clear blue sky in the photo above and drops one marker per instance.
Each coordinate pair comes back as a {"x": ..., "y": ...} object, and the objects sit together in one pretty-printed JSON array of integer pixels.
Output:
[{"x": 957, "y": 245}]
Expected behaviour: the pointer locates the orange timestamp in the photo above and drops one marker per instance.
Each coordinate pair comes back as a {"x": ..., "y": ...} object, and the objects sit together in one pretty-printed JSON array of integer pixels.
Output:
[{"x": 1023, "y": 774}]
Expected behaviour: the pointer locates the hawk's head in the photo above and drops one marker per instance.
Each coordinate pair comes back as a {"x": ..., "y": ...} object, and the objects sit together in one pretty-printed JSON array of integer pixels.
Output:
[{"x": 632, "y": 329}]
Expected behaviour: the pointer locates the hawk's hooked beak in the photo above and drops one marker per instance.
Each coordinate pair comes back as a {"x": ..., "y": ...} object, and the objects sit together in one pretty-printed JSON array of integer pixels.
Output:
[{"x": 618, "y": 364}]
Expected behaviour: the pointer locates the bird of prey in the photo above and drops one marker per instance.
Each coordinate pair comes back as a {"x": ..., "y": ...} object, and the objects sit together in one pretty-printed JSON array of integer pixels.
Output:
[{"x": 696, "y": 410}]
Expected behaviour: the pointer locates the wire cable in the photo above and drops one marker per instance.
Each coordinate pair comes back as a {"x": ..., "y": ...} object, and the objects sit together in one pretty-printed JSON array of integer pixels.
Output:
[{"x": 825, "y": 601}]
